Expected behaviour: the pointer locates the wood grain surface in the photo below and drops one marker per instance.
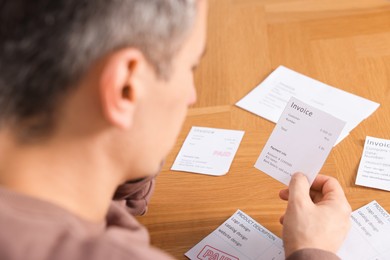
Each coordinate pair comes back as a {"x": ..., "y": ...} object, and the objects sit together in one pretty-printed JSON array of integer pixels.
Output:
[{"x": 343, "y": 43}]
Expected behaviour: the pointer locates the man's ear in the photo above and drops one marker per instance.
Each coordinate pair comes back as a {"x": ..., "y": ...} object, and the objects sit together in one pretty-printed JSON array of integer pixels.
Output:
[{"x": 120, "y": 85}]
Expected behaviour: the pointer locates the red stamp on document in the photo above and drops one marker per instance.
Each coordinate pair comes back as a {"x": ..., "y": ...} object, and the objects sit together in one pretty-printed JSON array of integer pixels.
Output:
[{"x": 211, "y": 253}]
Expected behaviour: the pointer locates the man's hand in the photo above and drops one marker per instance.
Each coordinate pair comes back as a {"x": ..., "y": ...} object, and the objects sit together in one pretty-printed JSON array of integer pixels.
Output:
[{"x": 316, "y": 217}]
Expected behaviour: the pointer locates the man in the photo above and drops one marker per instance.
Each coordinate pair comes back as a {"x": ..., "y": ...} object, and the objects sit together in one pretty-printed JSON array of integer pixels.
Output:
[{"x": 92, "y": 97}]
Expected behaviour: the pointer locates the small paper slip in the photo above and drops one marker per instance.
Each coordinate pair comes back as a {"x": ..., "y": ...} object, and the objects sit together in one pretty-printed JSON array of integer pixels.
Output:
[
  {"x": 369, "y": 236},
  {"x": 208, "y": 151},
  {"x": 374, "y": 168},
  {"x": 270, "y": 97},
  {"x": 300, "y": 142},
  {"x": 239, "y": 238}
]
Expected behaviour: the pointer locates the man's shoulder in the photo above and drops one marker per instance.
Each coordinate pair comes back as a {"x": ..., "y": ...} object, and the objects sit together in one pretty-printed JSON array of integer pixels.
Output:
[{"x": 32, "y": 229}]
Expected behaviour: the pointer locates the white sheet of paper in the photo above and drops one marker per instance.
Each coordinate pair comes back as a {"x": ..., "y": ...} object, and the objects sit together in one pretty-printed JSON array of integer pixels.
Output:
[
  {"x": 208, "y": 151},
  {"x": 269, "y": 98},
  {"x": 369, "y": 236},
  {"x": 374, "y": 167},
  {"x": 239, "y": 237},
  {"x": 300, "y": 142}
]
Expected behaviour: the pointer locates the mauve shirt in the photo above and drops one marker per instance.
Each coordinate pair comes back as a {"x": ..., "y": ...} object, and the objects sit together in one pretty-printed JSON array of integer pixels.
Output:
[{"x": 34, "y": 229}]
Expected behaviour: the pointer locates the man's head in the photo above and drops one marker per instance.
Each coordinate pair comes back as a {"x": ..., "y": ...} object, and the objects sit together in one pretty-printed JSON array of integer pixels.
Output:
[
  {"x": 46, "y": 47},
  {"x": 111, "y": 76}
]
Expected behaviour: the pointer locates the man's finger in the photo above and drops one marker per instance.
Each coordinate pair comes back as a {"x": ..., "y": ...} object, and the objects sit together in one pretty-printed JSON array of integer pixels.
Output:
[
  {"x": 316, "y": 196},
  {"x": 319, "y": 182},
  {"x": 327, "y": 185},
  {"x": 283, "y": 194},
  {"x": 281, "y": 219}
]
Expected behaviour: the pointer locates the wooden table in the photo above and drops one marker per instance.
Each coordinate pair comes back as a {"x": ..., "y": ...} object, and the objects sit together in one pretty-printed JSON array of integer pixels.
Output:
[{"x": 344, "y": 43}]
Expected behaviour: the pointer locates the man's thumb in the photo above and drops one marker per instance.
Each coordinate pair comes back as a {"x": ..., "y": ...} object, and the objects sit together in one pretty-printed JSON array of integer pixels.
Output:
[{"x": 299, "y": 188}]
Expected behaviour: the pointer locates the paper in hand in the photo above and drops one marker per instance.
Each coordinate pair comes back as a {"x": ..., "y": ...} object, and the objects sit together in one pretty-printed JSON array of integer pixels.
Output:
[{"x": 300, "y": 142}]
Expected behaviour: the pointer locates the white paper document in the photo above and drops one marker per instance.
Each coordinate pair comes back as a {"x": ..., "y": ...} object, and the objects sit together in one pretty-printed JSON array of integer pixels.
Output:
[
  {"x": 242, "y": 238},
  {"x": 300, "y": 142},
  {"x": 270, "y": 97},
  {"x": 369, "y": 237},
  {"x": 374, "y": 168},
  {"x": 239, "y": 238},
  {"x": 208, "y": 151}
]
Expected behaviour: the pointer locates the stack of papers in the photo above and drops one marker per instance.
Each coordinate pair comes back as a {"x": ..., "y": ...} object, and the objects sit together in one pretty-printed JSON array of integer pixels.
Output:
[
  {"x": 270, "y": 97},
  {"x": 241, "y": 237}
]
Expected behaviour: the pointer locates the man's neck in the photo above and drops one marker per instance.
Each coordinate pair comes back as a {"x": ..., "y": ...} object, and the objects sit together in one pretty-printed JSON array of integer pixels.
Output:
[{"x": 70, "y": 175}]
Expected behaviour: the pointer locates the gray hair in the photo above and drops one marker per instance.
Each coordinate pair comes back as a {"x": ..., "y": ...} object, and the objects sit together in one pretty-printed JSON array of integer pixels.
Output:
[
  {"x": 47, "y": 46},
  {"x": 156, "y": 27}
]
